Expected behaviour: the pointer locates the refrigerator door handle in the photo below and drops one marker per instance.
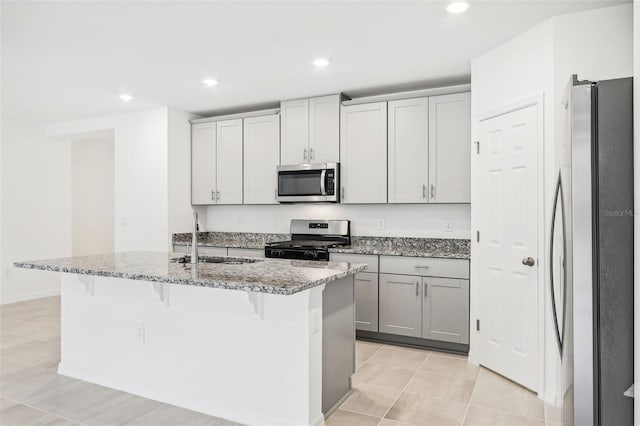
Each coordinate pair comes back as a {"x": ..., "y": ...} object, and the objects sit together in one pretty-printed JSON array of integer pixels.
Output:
[{"x": 558, "y": 197}]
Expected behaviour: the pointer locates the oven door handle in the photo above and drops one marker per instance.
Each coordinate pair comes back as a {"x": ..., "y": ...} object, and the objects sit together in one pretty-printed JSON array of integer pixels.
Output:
[{"x": 323, "y": 176}]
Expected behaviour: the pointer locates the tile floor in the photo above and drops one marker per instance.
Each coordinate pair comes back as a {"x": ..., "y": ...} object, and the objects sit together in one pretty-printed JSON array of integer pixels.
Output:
[{"x": 393, "y": 386}]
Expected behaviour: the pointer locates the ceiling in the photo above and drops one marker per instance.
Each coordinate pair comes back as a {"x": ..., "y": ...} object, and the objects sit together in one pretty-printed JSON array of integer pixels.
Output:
[{"x": 67, "y": 60}]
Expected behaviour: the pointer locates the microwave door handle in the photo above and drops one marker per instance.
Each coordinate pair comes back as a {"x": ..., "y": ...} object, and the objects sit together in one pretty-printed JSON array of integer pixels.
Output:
[{"x": 323, "y": 175}]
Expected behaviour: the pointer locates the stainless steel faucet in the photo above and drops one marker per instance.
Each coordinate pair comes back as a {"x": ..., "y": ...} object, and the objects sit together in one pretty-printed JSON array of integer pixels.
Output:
[{"x": 194, "y": 239}]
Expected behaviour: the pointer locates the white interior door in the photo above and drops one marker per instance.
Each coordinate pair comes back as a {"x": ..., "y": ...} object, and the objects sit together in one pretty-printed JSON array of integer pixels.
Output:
[{"x": 508, "y": 235}]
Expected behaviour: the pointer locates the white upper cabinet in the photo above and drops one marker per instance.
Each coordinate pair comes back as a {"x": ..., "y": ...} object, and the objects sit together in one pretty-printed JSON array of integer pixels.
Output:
[
  {"x": 261, "y": 154},
  {"x": 294, "y": 139},
  {"x": 203, "y": 163},
  {"x": 450, "y": 148},
  {"x": 324, "y": 129},
  {"x": 408, "y": 154},
  {"x": 229, "y": 161},
  {"x": 310, "y": 130},
  {"x": 363, "y": 153}
]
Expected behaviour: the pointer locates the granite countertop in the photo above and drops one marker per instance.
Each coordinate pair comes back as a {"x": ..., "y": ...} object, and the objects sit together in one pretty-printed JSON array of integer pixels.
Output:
[
  {"x": 387, "y": 246},
  {"x": 275, "y": 276}
]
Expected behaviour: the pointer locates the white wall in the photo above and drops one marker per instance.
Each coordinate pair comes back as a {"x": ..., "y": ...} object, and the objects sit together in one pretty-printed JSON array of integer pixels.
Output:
[
  {"x": 399, "y": 220},
  {"x": 140, "y": 170},
  {"x": 36, "y": 208},
  {"x": 92, "y": 196},
  {"x": 595, "y": 45}
]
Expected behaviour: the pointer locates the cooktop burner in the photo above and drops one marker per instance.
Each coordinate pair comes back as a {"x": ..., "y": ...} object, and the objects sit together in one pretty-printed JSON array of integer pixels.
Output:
[{"x": 311, "y": 240}]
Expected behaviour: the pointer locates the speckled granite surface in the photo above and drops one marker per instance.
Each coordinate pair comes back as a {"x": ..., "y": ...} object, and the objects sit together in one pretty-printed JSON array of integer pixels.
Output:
[
  {"x": 388, "y": 246},
  {"x": 231, "y": 239},
  {"x": 273, "y": 276},
  {"x": 398, "y": 246}
]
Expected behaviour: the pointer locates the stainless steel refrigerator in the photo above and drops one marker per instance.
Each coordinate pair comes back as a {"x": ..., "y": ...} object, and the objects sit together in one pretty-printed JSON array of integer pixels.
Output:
[{"x": 591, "y": 253}]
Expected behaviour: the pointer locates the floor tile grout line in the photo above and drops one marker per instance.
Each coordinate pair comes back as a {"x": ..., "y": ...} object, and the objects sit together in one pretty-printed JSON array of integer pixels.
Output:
[
  {"x": 44, "y": 411},
  {"x": 475, "y": 385},
  {"x": 403, "y": 389}
]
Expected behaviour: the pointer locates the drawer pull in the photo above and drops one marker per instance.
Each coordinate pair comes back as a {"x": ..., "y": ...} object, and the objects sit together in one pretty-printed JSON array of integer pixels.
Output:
[{"x": 421, "y": 267}]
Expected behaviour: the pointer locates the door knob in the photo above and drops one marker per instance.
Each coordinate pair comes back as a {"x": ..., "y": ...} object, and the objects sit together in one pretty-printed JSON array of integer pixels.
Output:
[{"x": 528, "y": 261}]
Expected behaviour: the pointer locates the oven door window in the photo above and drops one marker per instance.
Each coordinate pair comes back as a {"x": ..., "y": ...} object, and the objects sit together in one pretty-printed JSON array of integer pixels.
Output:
[{"x": 299, "y": 182}]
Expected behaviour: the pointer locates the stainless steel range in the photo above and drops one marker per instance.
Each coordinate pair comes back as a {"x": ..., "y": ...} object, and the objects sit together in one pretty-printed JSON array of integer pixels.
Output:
[{"x": 311, "y": 239}]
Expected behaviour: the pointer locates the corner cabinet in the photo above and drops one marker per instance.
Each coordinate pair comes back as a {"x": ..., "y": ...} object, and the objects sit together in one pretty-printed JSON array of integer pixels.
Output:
[
  {"x": 363, "y": 153},
  {"x": 310, "y": 130},
  {"x": 450, "y": 148},
  {"x": 216, "y": 162},
  {"x": 261, "y": 154}
]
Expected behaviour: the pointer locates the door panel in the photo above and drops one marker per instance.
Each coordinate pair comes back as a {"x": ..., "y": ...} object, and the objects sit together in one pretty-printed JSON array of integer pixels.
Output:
[
  {"x": 229, "y": 161},
  {"x": 261, "y": 156},
  {"x": 408, "y": 154},
  {"x": 445, "y": 315},
  {"x": 401, "y": 305},
  {"x": 203, "y": 163},
  {"x": 294, "y": 139},
  {"x": 324, "y": 129},
  {"x": 366, "y": 301},
  {"x": 508, "y": 229},
  {"x": 363, "y": 153},
  {"x": 450, "y": 148}
]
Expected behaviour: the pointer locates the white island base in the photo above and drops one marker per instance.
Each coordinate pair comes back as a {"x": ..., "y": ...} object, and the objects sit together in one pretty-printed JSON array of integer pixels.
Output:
[{"x": 254, "y": 358}]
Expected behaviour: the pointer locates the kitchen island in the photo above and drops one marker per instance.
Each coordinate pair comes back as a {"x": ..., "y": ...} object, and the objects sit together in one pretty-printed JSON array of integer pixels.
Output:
[{"x": 257, "y": 341}]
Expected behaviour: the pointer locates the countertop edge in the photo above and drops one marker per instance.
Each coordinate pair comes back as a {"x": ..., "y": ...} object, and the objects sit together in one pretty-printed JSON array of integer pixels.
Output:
[{"x": 225, "y": 285}]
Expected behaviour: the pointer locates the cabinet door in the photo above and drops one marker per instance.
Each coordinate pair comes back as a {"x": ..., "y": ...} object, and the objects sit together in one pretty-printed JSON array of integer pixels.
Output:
[
  {"x": 261, "y": 156},
  {"x": 450, "y": 148},
  {"x": 446, "y": 310},
  {"x": 203, "y": 163},
  {"x": 324, "y": 129},
  {"x": 401, "y": 305},
  {"x": 363, "y": 153},
  {"x": 294, "y": 139},
  {"x": 408, "y": 150},
  {"x": 229, "y": 161},
  {"x": 366, "y": 288}
]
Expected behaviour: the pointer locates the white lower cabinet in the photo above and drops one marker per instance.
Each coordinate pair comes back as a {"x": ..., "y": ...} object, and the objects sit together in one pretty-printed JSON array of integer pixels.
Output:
[
  {"x": 445, "y": 313},
  {"x": 412, "y": 303},
  {"x": 401, "y": 305},
  {"x": 366, "y": 288}
]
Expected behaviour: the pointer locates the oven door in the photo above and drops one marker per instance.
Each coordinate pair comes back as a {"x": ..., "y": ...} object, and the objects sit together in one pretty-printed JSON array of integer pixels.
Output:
[{"x": 308, "y": 183}]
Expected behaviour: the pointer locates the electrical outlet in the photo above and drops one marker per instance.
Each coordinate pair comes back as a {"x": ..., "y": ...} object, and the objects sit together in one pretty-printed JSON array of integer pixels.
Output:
[
  {"x": 448, "y": 225},
  {"x": 380, "y": 223},
  {"x": 142, "y": 332}
]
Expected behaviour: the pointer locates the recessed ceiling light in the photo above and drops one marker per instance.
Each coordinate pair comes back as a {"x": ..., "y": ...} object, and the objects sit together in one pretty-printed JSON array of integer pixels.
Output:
[
  {"x": 457, "y": 7},
  {"x": 320, "y": 62},
  {"x": 126, "y": 97},
  {"x": 210, "y": 82}
]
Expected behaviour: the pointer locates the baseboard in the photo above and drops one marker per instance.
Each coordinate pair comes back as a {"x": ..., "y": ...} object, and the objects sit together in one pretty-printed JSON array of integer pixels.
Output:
[{"x": 30, "y": 296}]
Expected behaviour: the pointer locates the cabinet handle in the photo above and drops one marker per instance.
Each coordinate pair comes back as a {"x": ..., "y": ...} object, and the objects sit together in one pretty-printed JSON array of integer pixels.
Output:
[
  {"x": 342, "y": 193},
  {"x": 433, "y": 191},
  {"x": 213, "y": 195},
  {"x": 304, "y": 156},
  {"x": 417, "y": 289},
  {"x": 218, "y": 195},
  {"x": 424, "y": 191},
  {"x": 310, "y": 153},
  {"x": 425, "y": 290},
  {"x": 421, "y": 267}
]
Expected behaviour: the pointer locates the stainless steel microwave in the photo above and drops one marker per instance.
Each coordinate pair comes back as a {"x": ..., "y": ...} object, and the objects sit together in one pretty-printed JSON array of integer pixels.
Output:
[{"x": 309, "y": 183}]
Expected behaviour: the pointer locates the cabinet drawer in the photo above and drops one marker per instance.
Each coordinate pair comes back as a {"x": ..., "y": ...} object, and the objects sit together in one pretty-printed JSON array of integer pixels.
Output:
[
  {"x": 425, "y": 266},
  {"x": 370, "y": 260},
  {"x": 245, "y": 252}
]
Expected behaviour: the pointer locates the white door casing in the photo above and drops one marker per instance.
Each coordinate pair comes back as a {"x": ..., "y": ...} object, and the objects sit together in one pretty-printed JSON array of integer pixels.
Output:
[{"x": 508, "y": 222}]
